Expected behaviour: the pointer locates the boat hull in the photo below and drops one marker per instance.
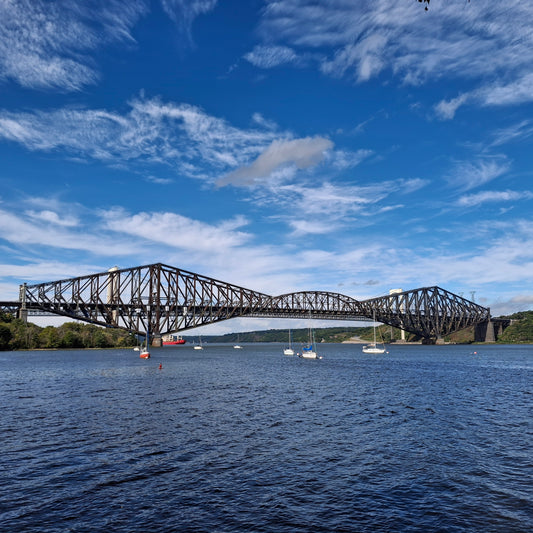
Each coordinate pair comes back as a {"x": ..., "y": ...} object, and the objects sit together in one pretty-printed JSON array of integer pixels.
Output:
[
  {"x": 373, "y": 349},
  {"x": 174, "y": 343}
]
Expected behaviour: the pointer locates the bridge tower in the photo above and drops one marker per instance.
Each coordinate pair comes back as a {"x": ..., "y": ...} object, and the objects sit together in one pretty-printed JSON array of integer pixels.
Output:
[{"x": 402, "y": 309}]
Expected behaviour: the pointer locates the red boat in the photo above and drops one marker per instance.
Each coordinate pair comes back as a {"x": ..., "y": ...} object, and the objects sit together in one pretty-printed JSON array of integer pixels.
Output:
[{"x": 173, "y": 340}]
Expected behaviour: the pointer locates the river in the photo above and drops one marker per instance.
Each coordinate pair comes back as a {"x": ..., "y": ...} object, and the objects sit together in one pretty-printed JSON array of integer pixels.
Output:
[{"x": 423, "y": 438}]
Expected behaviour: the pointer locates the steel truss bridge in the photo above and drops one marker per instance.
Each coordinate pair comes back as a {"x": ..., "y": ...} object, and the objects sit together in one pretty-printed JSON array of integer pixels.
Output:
[{"x": 162, "y": 299}]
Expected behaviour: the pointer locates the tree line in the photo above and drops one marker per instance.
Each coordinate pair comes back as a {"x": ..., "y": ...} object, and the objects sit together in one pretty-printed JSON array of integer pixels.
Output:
[{"x": 16, "y": 334}]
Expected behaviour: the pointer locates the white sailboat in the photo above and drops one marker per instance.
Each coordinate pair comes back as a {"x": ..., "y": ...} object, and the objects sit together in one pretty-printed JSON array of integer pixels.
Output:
[
  {"x": 309, "y": 351},
  {"x": 145, "y": 352},
  {"x": 373, "y": 347},
  {"x": 289, "y": 350},
  {"x": 238, "y": 346},
  {"x": 198, "y": 346}
]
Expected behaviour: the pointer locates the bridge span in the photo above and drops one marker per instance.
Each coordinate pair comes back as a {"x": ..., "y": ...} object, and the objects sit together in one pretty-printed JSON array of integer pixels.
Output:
[{"x": 162, "y": 299}]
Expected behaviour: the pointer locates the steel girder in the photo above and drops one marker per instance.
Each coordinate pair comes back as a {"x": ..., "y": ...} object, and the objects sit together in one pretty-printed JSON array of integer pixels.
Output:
[{"x": 162, "y": 299}]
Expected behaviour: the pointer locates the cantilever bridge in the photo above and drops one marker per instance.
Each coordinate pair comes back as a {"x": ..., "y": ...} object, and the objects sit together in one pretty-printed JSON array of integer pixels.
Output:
[{"x": 162, "y": 299}]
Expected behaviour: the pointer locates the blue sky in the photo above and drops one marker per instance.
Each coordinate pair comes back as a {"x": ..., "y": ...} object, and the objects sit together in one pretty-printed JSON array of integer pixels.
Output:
[{"x": 352, "y": 147}]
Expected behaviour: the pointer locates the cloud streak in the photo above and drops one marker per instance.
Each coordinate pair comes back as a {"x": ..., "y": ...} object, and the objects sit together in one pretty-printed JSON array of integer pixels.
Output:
[
  {"x": 301, "y": 153},
  {"x": 50, "y": 45},
  {"x": 361, "y": 40},
  {"x": 151, "y": 132},
  {"x": 469, "y": 175},
  {"x": 484, "y": 197}
]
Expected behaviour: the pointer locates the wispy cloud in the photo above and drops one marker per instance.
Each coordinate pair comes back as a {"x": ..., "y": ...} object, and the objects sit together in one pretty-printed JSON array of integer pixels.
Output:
[
  {"x": 181, "y": 136},
  {"x": 520, "y": 131},
  {"x": 271, "y": 56},
  {"x": 333, "y": 205},
  {"x": 518, "y": 91},
  {"x": 473, "y": 200},
  {"x": 48, "y": 45},
  {"x": 469, "y": 175},
  {"x": 360, "y": 40},
  {"x": 184, "y": 12},
  {"x": 177, "y": 231},
  {"x": 51, "y": 44}
]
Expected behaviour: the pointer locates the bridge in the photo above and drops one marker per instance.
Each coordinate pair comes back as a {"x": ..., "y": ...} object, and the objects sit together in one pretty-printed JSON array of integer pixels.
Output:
[{"x": 162, "y": 299}]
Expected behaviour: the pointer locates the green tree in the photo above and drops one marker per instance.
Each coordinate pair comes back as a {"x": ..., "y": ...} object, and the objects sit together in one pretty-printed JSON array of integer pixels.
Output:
[
  {"x": 49, "y": 337},
  {"x": 5, "y": 337}
]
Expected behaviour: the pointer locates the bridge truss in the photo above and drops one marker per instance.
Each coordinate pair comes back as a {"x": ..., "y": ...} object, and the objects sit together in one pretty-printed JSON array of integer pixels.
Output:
[{"x": 162, "y": 299}]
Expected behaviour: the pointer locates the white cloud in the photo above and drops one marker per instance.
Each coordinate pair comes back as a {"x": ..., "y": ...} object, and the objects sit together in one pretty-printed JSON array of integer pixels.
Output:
[
  {"x": 513, "y": 305},
  {"x": 518, "y": 91},
  {"x": 519, "y": 131},
  {"x": 271, "y": 56},
  {"x": 50, "y": 44},
  {"x": 46, "y": 232},
  {"x": 51, "y": 217},
  {"x": 343, "y": 159},
  {"x": 473, "y": 200},
  {"x": 478, "y": 41},
  {"x": 365, "y": 57},
  {"x": 446, "y": 109},
  {"x": 302, "y": 153},
  {"x": 179, "y": 232},
  {"x": 47, "y": 44},
  {"x": 159, "y": 181},
  {"x": 183, "y": 12},
  {"x": 325, "y": 207},
  {"x": 260, "y": 120},
  {"x": 181, "y": 136},
  {"x": 469, "y": 175}
]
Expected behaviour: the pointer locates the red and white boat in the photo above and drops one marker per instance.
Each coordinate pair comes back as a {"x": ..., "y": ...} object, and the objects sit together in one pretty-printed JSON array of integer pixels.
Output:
[{"x": 173, "y": 340}]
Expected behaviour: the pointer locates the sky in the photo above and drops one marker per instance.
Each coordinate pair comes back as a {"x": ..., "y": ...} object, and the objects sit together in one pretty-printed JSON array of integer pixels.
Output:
[{"x": 352, "y": 147}]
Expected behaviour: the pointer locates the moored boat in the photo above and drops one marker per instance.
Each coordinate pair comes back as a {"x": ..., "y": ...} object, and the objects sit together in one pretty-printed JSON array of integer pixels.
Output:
[
  {"x": 145, "y": 350},
  {"x": 289, "y": 350},
  {"x": 198, "y": 346},
  {"x": 373, "y": 346},
  {"x": 309, "y": 351},
  {"x": 173, "y": 340}
]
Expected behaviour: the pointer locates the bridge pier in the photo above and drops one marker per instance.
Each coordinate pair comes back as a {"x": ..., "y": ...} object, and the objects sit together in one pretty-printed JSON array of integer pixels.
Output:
[
  {"x": 484, "y": 332},
  {"x": 157, "y": 341},
  {"x": 23, "y": 310}
]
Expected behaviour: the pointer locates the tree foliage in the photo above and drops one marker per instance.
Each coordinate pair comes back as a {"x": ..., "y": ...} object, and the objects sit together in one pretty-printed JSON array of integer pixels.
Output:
[
  {"x": 15, "y": 334},
  {"x": 520, "y": 330}
]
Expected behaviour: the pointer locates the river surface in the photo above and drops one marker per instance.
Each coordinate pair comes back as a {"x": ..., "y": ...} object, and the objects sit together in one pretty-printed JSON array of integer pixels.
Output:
[{"x": 424, "y": 438}]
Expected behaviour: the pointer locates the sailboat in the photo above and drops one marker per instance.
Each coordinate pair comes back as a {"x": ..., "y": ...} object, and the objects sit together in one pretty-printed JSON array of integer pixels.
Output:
[
  {"x": 145, "y": 352},
  {"x": 289, "y": 350},
  {"x": 309, "y": 351},
  {"x": 373, "y": 346},
  {"x": 198, "y": 346},
  {"x": 238, "y": 346}
]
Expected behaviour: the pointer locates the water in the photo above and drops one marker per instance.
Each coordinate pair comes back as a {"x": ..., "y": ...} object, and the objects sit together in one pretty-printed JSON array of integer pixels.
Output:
[{"x": 423, "y": 439}]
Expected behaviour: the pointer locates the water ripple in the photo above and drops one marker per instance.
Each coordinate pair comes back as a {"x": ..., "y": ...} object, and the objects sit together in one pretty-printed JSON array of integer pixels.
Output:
[{"x": 425, "y": 439}]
